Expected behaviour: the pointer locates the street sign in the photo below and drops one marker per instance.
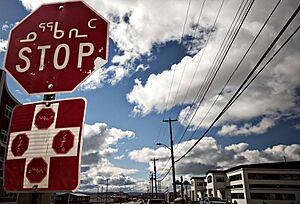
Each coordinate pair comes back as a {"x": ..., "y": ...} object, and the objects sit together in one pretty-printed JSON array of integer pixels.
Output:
[
  {"x": 55, "y": 48},
  {"x": 44, "y": 146}
]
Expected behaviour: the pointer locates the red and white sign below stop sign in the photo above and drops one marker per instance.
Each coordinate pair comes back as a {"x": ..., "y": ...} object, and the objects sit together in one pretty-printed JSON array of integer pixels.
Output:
[
  {"x": 57, "y": 47},
  {"x": 44, "y": 146}
]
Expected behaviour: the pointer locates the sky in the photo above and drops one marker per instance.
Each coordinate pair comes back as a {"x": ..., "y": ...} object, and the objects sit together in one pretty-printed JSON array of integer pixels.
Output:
[{"x": 161, "y": 55}]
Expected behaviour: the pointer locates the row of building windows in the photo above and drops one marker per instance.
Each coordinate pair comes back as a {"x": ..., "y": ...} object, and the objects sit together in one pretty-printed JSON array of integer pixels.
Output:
[
  {"x": 285, "y": 186},
  {"x": 258, "y": 176},
  {"x": 235, "y": 177},
  {"x": 8, "y": 111},
  {"x": 234, "y": 186},
  {"x": 220, "y": 179},
  {"x": 237, "y": 195},
  {"x": 3, "y": 136},
  {"x": 273, "y": 196}
]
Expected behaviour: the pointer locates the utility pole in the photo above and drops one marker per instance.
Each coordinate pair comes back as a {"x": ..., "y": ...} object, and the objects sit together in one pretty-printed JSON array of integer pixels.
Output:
[
  {"x": 106, "y": 191},
  {"x": 98, "y": 192},
  {"x": 155, "y": 176},
  {"x": 151, "y": 184},
  {"x": 172, "y": 154},
  {"x": 102, "y": 193},
  {"x": 181, "y": 186}
]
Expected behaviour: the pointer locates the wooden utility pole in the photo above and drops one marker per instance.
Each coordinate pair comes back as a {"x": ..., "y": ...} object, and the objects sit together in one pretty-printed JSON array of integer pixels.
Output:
[
  {"x": 151, "y": 184},
  {"x": 155, "y": 180},
  {"x": 106, "y": 191},
  {"x": 182, "y": 189},
  {"x": 172, "y": 154}
]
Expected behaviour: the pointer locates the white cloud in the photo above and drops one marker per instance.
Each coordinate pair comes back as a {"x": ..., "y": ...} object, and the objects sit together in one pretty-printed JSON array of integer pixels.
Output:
[
  {"x": 248, "y": 128},
  {"x": 297, "y": 126},
  {"x": 137, "y": 26},
  {"x": 5, "y": 27},
  {"x": 99, "y": 137},
  {"x": 208, "y": 154},
  {"x": 119, "y": 157},
  {"x": 3, "y": 45},
  {"x": 99, "y": 144},
  {"x": 273, "y": 93}
]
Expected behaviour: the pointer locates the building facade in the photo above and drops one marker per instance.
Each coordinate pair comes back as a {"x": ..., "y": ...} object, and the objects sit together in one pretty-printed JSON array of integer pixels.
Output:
[
  {"x": 198, "y": 188},
  {"x": 265, "y": 183},
  {"x": 7, "y": 103}
]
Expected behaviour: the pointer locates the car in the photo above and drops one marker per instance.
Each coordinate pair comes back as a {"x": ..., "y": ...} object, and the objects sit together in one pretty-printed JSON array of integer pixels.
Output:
[
  {"x": 212, "y": 200},
  {"x": 156, "y": 201}
]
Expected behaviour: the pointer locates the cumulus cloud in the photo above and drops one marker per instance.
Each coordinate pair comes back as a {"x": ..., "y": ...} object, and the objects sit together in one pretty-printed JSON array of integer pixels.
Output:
[
  {"x": 99, "y": 144},
  {"x": 273, "y": 93},
  {"x": 119, "y": 178},
  {"x": 248, "y": 128},
  {"x": 137, "y": 26},
  {"x": 3, "y": 45},
  {"x": 98, "y": 139},
  {"x": 208, "y": 154},
  {"x": 7, "y": 26},
  {"x": 119, "y": 157},
  {"x": 297, "y": 126}
]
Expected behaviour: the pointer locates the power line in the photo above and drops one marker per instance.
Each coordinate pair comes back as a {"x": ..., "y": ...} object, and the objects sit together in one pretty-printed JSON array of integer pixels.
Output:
[
  {"x": 181, "y": 39},
  {"x": 239, "y": 92},
  {"x": 238, "y": 66},
  {"x": 219, "y": 59}
]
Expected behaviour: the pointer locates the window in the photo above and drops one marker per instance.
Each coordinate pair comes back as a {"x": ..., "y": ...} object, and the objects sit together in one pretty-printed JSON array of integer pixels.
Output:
[
  {"x": 273, "y": 196},
  {"x": 235, "y": 186},
  {"x": 209, "y": 179},
  {"x": 237, "y": 195},
  {"x": 199, "y": 184},
  {"x": 1, "y": 162},
  {"x": 281, "y": 186},
  {"x": 220, "y": 179},
  {"x": 4, "y": 135},
  {"x": 235, "y": 177},
  {"x": 257, "y": 176},
  {"x": 8, "y": 111}
]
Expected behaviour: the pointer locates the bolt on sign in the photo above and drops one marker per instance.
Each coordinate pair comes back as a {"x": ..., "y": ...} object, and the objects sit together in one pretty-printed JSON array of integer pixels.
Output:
[
  {"x": 55, "y": 48},
  {"x": 44, "y": 146}
]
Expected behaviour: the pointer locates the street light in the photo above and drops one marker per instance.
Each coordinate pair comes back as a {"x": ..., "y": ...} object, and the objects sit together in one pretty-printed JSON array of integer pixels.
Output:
[
  {"x": 160, "y": 144},
  {"x": 173, "y": 165}
]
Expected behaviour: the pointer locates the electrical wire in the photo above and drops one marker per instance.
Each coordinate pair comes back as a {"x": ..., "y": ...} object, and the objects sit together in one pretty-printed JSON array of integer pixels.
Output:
[
  {"x": 238, "y": 66},
  {"x": 220, "y": 57},
  {"x": 242, "y": 87}
]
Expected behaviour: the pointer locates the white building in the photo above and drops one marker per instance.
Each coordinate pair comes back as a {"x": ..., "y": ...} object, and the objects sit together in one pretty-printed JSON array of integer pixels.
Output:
[
  {"x": 265, "y": 183},
  {"x": 198, "y": 186}
]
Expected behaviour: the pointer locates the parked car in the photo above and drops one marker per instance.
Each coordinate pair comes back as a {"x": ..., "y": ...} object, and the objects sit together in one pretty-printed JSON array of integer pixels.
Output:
[
  {"x": 212, "y": 200},
  {"x": 156, "y": 201}
]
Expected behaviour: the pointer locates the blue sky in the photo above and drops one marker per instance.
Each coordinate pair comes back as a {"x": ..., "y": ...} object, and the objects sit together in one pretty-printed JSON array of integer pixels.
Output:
[{"x": 150, "y": 77}]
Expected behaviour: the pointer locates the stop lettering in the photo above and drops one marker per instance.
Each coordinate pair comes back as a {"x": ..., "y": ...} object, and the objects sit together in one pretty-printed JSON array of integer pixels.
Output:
[{"x": 57, "y": 47}]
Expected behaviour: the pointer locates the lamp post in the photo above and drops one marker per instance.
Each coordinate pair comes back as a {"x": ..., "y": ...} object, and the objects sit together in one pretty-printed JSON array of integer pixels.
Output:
[{"x": 173, "y": 165}]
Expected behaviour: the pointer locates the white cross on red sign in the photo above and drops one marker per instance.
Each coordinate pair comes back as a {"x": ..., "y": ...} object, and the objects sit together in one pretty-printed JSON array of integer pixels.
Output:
[{"x": 44, "y": 146}]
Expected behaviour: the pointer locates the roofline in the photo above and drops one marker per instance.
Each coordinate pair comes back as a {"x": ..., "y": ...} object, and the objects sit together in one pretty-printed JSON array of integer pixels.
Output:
[
  {"x": 197, "y": 177},
  {"x": 270, "y": 165}
]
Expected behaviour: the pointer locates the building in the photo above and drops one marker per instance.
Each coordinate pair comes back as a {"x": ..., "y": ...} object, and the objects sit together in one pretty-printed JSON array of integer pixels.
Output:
[
  {"x": 198, "y": 188},
  {"x": 265, "y": 183},
  {"x": 7, "y": 103},
  {"x": 72, "y": 198}
]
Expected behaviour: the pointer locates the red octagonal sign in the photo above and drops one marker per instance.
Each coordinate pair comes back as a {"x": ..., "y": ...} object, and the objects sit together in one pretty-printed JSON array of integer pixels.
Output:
[
  {"x": 56, "y": 47},
  {"x": 63, "y": 142},
  {"x": 20, "y": 145},
  {"x": 44, "y": 118},
  {"x": 36, "y": 170}
]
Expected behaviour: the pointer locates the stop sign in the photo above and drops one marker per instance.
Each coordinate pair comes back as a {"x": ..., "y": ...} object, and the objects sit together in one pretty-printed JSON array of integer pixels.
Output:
[{"x": 57, "y": 47}]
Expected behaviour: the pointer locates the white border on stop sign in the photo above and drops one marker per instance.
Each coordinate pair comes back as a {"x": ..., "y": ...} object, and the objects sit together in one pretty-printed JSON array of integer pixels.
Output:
[
  {"x": 95, "y": 68},
  {"x": 79, "y": 152}
]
